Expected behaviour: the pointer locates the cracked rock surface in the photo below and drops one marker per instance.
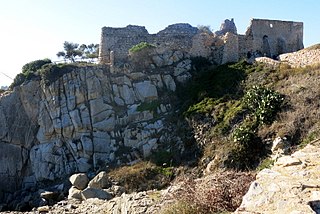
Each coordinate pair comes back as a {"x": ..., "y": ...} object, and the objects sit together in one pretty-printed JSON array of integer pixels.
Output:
[{"x": 291, "y": 186}]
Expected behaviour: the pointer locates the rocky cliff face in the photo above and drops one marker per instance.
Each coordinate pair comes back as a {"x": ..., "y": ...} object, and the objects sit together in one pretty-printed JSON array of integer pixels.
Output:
[{"x": 86, "y": 120}]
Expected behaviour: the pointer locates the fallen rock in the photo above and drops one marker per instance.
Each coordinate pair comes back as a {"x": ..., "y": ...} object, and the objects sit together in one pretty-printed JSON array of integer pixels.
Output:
[
  {"x": 287, "y": 161},
  {"x": 80, "y": 180},
  {"x": 49, "y": 195},
  {"x": 43, "y": 209},
  {"x": 100, "y": 181},
  {"x": 95, "y": 193},
  {"x": 280, "y": 146},
  {"x": 74, "y": 193}
]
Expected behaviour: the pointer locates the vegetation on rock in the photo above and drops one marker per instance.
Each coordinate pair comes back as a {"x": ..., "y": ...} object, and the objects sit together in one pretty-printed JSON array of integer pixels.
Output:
[{"x": 141, "y": 46}]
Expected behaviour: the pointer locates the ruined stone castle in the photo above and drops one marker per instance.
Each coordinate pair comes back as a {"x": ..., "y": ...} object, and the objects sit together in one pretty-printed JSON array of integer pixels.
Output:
[
  {"x": 97, "y": 116},
  {"x": 262, "y": 38}
]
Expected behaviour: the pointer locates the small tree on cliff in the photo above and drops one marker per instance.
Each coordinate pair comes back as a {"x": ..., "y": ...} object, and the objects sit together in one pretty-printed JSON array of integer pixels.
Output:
[
  {"x": 90, "y": 51},
  {"x": 70, "y": 52}
]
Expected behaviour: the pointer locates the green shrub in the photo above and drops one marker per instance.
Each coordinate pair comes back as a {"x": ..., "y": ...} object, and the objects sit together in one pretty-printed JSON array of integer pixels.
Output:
[
  {"x": 244, "y": 134},
  {"x": 264, "y": 103},
  {"x": 18, "y": 80},
  {"x": 141, "y": 46},
  {"x": 228, "y": 114},
  {"x": 247, "y": 148},
  {"x": 204, "y": 106},
  {"x": 35, "y": 65},
  {"x": 29, "y": 71}
]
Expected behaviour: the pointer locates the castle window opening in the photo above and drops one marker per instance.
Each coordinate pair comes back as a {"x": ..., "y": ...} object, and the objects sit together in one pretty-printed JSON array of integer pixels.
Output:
[{"x": 271, "y": 25}]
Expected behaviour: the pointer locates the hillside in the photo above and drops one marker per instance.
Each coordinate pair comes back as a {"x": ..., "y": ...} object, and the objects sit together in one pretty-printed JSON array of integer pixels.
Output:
[{"x": 202, "y": 141}]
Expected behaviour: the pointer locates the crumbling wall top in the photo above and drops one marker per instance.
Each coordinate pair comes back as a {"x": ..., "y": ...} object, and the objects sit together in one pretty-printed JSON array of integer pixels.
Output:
[
  {"x": 125, "y": 31},
  {"x": 179, "y": 29},
  {"x": 227, "y": 26}
]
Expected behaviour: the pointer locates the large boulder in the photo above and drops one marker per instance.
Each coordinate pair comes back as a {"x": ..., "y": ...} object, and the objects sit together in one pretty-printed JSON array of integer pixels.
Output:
[
  {"x": 100, "y": 181},
  {"x": 80, "y": 180},
  {"x": 74, "y": 193}
]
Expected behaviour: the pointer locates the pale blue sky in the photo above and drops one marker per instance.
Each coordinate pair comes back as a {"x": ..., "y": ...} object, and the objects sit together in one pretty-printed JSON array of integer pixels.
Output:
[{"x": 36, "y": 29}]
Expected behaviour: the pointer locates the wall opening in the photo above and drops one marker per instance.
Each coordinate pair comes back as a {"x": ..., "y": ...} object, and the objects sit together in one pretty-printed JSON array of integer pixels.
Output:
[
  {"x": 281, "y": 46},
  {"x": 266, "y": 46}
]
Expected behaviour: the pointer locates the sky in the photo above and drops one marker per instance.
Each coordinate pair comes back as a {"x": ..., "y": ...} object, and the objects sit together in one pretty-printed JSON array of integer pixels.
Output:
[{"x": 36, "y": 29}]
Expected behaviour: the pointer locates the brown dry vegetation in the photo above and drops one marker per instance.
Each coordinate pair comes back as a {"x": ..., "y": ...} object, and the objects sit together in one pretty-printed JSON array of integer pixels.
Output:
[
  {"x": 220, "y": 192},
  {"x": 142, "y": 176}
]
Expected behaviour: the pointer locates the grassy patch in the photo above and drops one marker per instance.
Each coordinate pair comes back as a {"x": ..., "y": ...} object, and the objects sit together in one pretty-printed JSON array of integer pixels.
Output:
[
  {"x": 309, "y": 138},
  {"x": 180, "y": 207},
  {"x": 227, "y": 114},
  {"x": 265, "y": 164}
]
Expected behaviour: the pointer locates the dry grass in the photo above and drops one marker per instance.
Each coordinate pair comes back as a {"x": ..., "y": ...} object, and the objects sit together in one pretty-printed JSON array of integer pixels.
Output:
[
  {"x": 221, "y": 192},
  {"x": 142, "y": 176},
  {"x": 313, "y": 47},
  {"x": 301, "y": 87}
]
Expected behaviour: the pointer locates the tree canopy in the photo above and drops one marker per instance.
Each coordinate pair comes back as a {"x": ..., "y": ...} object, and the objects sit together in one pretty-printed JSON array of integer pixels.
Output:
[{"x": 73, "y": 50}]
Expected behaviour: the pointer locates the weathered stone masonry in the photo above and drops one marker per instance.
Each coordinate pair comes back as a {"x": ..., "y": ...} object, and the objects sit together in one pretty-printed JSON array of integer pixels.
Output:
[{"x": 262, "y": 38}]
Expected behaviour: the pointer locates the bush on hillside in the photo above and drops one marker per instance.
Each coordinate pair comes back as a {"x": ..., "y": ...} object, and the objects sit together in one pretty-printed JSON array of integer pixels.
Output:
[
  {"x": 29, "y": 71},
  {"x": 264, "y": 103},
  {"x": 35, "y": 65}
]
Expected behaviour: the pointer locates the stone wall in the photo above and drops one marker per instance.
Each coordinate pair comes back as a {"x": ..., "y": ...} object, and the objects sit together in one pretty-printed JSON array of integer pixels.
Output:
[
  {"x": 120, "y": 40},
  {"x": 263, "y": 38},
  {"x": 301, "y": 58},
  {"x": 231, "y": 47},
  {"x": 274, "y": 37}
]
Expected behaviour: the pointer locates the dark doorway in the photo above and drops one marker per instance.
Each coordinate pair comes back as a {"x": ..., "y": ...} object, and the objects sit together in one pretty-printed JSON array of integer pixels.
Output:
[{"x": 266, "y": 46}]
